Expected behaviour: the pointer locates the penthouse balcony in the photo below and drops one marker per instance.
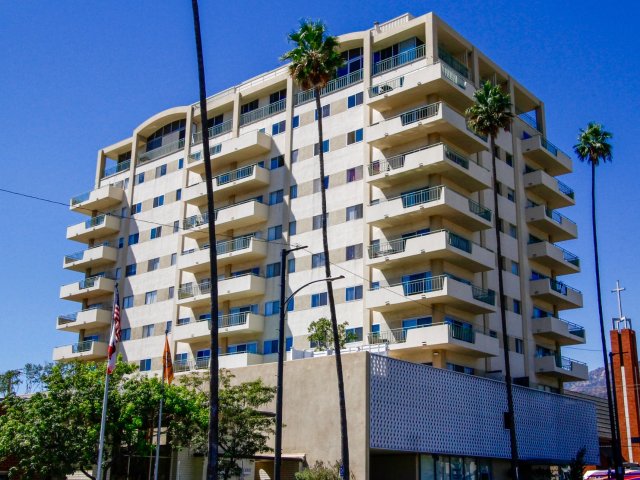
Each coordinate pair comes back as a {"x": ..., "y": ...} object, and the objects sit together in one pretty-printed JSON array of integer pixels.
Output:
[
  {"x": 546, "y": 154},
  {"x": 236, "y": 182},
  {"x": 240, "y": 250},
  {"x": 555, "y": 193},
  {"x": 214, "y": 131},
  {"x": 552, "y": 222},
  {"x": 440, "y": 244},
  {"x": 408, "y": 56},
  {"x": 117, "y": 168},
  {"x": 247, "y": 145},
  {"x": 87, "y": 350},
  {"x": 90, "y": 287},
  {"x": 418, "y": 204},
  {"x": 93, "y": 257},
  {"x": 451, "y": 337},
  {"x": 419, "y": 122},
  {"x": 226, "y": 361},
  {"x": 102, "y": 198},
  {"x": 442, "y": 289},
  {"x": 558, "y": 330},
  {"x": 332, "y": 86},
  {"x": 228, "y": 325},
  {"x": 439, "y": 159},
  {"x": 161, "y": 151},
  {"x": 194, "y": 295},
  {"x": 556, "y": 293},
  {"x": 94, "y": 227},
  {"x": 264, "y": 112},
  {"x": 90, "y": 318},
  {"x": 238, "y": 215},
  {"x": 559, "y": 260},
  {"x": 563, "y": 368}
]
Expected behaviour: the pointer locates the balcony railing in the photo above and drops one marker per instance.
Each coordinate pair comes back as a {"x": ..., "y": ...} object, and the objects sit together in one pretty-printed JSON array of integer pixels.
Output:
[
  {"x": 528, "y": 119},
  {"x": 74, "y": 257},
  {"x": 234, "y": 175},
  {"x": 561, "y": 288},
  {"x": 91, "y": 281},
  {"x": 392, "y": 163},
  {"x": 413, "y": 116},
  {"x": 144, "y": 157},
  {"x": 566, "y": 363},
  {"x": 574, "y": 328},
  {"x": 463, "y": 332},
  {"x": 332, "y": 86},
  {"x": 385, "y": 87},
  {"x": 557, "y": 217},
  {"x": 228, "y": 246},
  {"x": 550, "y": 147},
  {"x": 480, "y": 210},
  {"x": 72, "y": 317},
  {"x": 214, "y": 131},
  {"x": 570, "y": 257},
  {"x": 203, "y": 288},
  {"x": 453, "y": 62},
  {"x": 120, "y": 167},
  {"x": 95, "y": 221},
  {"x": 199, "y": 220},
  {"x": 229, "y": 320},
  {"x": 264, "y": 112},
  {"x": 407, "y": 56},
  {"x": 398, "y": 245},
  {"x": 567, "y": 190},
  {"x": 82, "y": 347},
  {"x": 454, "y": 76}
]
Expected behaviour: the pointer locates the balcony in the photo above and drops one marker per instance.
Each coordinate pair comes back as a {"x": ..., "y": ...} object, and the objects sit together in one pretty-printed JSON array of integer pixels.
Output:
[
  {"x": 226, "y": 361},
  {"x": 440, "y": 201},
  {"x": 214, "y": 131},
  {"x": 438, "y": 78},
  {"x": 563, "y": 368},
  {"x": 87, "y": 350},
  {"x": 559, "y": 260},
  {"x": 264, "y": 112},
  {"x": 94, "y": 227},
  {"x": 100, "y": 199},
  {"x": 248, "y": 145},
  {"x": 117, "y": 168},
  {"x": 93, "y": 257},
  {"x": 198, "y": 295},
  {"x": 441, "y": 245},
  {"x": 558, "y": 330},
  {"x": 439, "y": 159},
  {"x": 547, "y": 155},
  {"x": 238, "y": 215},
  {"x": 86, "y": 288},
  {"x": 232, "y": 324},
  {"x": 552, "y": 222},
  {"x": 236, "y": 182},
  {"x": 440, "y": 336},
  {"x": 162, "y": 151},
  {"x": 556, "y": 293},
  {"x": 419, "y": 122},
  {"x": 332, "y": 86},
  {"x": 91, "y": 318},
  {"x": 555, "y": 193},
  {"x": 441, "y": 289},
  {"x": 241, "y": 249}
]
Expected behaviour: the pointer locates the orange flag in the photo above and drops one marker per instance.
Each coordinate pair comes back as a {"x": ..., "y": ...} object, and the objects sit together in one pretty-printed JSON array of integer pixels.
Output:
[{"x": 167, "y": 364}]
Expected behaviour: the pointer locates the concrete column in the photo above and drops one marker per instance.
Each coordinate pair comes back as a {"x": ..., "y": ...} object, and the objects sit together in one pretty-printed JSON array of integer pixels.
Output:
[
  {"x": 431, "y": 38},
  {"x": 235, "y": 123},
  {"x": 99, "y": 167},
  {"x": 541, "y": 119}
]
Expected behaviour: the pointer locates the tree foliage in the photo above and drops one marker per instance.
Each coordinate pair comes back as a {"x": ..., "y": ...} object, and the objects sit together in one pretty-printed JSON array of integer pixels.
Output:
[
  {"x": 593, "y": 145},
  {"x": 321, "y": 334},
  {"x": 491, "y": 111},
  {"x": 320, "y": 471},
  {"x": 577, "y": 465}
]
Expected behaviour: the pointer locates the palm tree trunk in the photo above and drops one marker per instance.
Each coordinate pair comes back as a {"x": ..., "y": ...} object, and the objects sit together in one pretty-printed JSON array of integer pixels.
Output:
[
  {"x": 503, "y": 317},
  {"x": 615, "y": 441},
  {"x": 332, "y": 304},
  {"x": 212, "y": 458}
]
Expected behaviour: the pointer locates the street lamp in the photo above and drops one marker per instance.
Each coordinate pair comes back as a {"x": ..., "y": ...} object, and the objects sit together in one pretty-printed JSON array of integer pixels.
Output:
[{"x": 281, "y": 352}]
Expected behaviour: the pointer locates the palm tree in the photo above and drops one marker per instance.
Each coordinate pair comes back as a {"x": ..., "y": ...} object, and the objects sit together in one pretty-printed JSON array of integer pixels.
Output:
[
  {"x": 212, "y": 457},
  {"x": 490, "y": 113},
  {"x": 593, "y": 147},
  {"x": 314, "y": 61}
]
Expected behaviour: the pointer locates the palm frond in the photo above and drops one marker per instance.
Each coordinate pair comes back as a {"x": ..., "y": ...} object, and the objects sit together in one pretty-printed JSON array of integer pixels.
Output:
[
  {"x": 593, "y": 144},
  {"x": 491, "y": 110}
]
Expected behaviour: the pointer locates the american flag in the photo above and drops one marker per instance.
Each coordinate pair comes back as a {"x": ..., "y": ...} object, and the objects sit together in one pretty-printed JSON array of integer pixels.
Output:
[{"x": 115, "y": 334}]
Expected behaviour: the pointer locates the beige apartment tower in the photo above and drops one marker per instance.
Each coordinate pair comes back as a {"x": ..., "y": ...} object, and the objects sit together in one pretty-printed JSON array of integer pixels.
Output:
[{"x": 410, "y": 217}]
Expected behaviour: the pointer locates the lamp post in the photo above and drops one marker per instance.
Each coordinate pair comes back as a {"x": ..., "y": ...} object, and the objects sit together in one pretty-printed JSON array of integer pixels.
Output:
[{"x": 284, "y": 302}]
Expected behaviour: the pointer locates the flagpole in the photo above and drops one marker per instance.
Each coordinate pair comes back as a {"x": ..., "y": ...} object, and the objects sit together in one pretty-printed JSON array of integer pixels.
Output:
[
  {"x": 164, "y": 363},
  {"x": 102, "y": 425}
]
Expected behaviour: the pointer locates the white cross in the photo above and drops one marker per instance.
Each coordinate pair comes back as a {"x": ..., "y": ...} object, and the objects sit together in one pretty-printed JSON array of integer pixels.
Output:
[{"x": 617, "y": 291}]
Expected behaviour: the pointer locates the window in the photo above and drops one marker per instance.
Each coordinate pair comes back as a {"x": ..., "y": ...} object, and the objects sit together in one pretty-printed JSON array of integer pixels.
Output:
[
  {"x": 354, "y": 137},
  {"x": 354, "y": 100},
  {"x": 130, "y": 270},
  {"x": 513, "y": 230},
  {"x": 161, "y": 171},
  {"x": 317, "y": 260},
  {"x": 140, "y": 178},
  {"x": 271, "y": 346},
  {"x": 276, "y": 197},
  {"x": 293, "y": 191},
  {"x": 176, "y": 226},
  {"x": 158, "y": 201},
  {"x": 274, "y": 233},
  {"x": 180, "y": 163},
  {"x": 147, "y": 331},
  {"x": 120, "y": 242},
  {"x": 318, "y": 299},
  {"x": 354, "y": 174},
  {"x": 515, "y": 268},
  {"x": 354, "y": 252},
  {"x": 317, "y": 222},
  {"x": 127, "y": 302},
  {"x": 153, "y": 264},
  {"x": 296, "y": 121},
  {"x": 509, "y": 159},
  {"x": 294, "y": 156},
  {"x": 354, "y": 212},
  {"x": 460, "y": 368},
  {"x": 150, "y": 297},
  {"x": 317, "y": 186},
  {"x": 511, "y": 194},
  {"x": 271, "y": 308},
  {"x": 123, "y": 212},
  {"x": 178, "y": 194},
  {"x": 118, "y": 272},
  {"x": 353, "y": 334},
  {"x": 277, "y": 96},
  {"x": 292, "y": 227},
  {"x": 518, "y": 345},
  {"x": 172, "y": 291},
  {"x": 273, "y": 270},
  {"x": 169, "y": 326},
  {"x": 326, "y": 111},
  {"x": 136, "y": 208},
  {"x": 156, "y": 232},
  {"x": 291, "y": 265},
  {"x": 278, "y": 128},
  {"x": 174, "y": 257},
  {"x": 276, "y": 162},
  {"x": 352, "y": 62},
  {"x": 325, "y": 147},
  {"x": 353, "y": 293},
  {"x": 125, "y": 334},
  {"x": 248, "y": 107},
  {"x": 145, "y": 365},
  {"x": 516, "y": 306}
]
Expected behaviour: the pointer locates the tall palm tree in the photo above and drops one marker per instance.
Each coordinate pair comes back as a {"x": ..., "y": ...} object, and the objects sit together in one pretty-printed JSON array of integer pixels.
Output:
[
  {"x": 593, "y": 147},
  {"x": 491, "y": 113},
  {"x": 315, "y": 60},
  {"x": 212, "y": 458}
]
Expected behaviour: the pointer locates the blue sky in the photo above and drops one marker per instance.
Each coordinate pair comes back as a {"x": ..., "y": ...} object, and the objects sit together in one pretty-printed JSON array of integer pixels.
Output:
[{"x": 79, "y": 76}]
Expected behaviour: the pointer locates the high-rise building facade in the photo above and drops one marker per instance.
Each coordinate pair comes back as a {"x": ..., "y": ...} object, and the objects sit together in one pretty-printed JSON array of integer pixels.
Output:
[{"x": 410, "y": 216}]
